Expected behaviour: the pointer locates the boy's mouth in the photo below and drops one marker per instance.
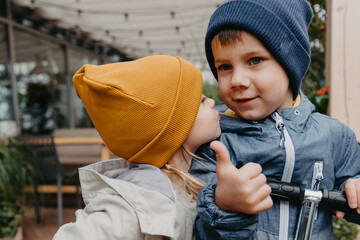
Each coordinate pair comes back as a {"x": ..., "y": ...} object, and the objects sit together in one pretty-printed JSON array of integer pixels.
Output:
[{"x": 244, "y": 100}]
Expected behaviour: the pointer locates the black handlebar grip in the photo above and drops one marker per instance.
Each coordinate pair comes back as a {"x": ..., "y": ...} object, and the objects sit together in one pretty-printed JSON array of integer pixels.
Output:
[
  {"x": 336, "y": 200},
  {"x": 286, "y": 191}
]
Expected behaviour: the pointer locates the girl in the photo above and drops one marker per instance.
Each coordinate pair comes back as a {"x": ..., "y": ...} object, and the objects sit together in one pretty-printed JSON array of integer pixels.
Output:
[{"x": 150, "y": 112}]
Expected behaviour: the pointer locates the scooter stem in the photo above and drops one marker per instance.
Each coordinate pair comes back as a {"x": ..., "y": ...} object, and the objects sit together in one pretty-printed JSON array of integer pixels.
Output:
[{"x": 307, "y": 215}]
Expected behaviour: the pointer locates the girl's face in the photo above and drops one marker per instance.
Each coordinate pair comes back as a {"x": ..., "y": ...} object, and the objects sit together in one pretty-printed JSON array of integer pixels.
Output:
[{"x": 206, "y": 126}]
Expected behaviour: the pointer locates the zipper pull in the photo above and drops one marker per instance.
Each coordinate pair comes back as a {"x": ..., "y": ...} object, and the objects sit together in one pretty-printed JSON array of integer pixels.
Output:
[
  {"x": 319, "y": 171},
  {"x": 280, "y": 127},
  {"x": 319, "y": 176}
]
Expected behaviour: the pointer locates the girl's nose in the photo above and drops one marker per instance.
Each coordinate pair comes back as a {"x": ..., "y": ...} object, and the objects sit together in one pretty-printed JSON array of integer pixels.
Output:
[{"x": 212, "y": 102}]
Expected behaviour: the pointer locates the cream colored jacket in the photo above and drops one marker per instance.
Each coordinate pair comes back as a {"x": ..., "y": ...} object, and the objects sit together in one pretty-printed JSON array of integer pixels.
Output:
[{"x": 139, "y": 203}]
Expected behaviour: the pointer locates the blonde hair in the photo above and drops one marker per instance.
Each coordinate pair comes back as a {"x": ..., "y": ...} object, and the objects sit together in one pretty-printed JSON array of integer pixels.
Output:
[{"x": 191, "y": 184}]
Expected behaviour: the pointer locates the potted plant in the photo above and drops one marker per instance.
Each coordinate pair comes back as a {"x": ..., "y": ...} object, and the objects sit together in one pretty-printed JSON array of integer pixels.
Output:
[
  {"x": 321, "y": 99},
  {"x": 16, "y": 172}
]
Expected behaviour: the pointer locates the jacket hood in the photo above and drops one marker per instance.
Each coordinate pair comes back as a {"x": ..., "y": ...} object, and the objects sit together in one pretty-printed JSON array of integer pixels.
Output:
[{"x": 155, "y": 217}]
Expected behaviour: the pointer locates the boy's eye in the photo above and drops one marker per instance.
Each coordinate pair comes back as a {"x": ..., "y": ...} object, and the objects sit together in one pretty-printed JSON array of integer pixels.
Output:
[
  {"x": 203, "y": 99},
  {"x": 255, "y": 60},
  {"x": 224, "y": 67}
]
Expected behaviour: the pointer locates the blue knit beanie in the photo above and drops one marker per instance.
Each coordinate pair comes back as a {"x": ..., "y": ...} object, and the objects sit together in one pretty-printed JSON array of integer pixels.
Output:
[{"x": 281, "y": 25}]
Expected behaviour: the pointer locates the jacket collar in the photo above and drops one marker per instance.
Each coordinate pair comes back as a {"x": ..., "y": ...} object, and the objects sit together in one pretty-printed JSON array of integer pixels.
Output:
[
  {"x": 156, "y": 211},
  {"x": 295, "y": 118}
]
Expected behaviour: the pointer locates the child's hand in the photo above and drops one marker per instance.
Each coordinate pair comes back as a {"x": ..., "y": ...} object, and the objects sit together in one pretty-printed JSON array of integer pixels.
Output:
[
  {"x": 240, "y": 190},
  {"x": 352, "y": 190}
]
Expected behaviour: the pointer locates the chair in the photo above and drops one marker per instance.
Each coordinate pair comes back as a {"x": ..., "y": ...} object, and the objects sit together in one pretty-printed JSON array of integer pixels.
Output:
[{"x": 51, "y": 172}]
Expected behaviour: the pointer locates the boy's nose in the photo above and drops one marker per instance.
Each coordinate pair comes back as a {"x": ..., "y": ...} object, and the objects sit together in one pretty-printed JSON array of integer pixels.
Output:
[{"x": 240, "y": 79}]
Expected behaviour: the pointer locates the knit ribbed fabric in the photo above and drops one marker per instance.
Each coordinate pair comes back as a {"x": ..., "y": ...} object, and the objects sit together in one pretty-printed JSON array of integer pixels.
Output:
[
  {"x": 142, "y": 109},
  {"x": 281, "y": 25}
]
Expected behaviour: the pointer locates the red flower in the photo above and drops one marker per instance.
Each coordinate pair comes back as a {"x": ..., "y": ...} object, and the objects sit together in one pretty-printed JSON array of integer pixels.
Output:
[{"x": 322, "y": 91}]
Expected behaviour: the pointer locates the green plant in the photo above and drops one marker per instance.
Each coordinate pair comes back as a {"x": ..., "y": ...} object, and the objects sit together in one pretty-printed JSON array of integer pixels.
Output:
[
  {"x": 315, "y": 76},
  {"x": 321, "y": 99},
  {"x": 212, "y": 91},
  {"x": 344, "y": 230},
  {"x": 16, "y": 172}
]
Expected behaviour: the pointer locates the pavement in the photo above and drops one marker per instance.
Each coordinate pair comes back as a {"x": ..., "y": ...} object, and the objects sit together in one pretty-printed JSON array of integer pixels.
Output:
[{"x": 46, "y": 229}]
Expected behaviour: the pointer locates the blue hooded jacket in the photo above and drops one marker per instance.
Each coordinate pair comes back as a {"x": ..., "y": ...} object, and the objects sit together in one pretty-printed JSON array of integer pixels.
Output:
[{"x": 291, "y": 145}]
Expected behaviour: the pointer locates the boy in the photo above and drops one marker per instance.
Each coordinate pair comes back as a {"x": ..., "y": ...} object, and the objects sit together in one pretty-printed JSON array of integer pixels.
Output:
[{"x": 259, "y": 51}]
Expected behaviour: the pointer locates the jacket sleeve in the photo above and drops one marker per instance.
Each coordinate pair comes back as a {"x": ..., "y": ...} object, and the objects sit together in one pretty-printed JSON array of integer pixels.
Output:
[
  {"x": 212, "y": 222},
  {"x": 101, "y": 219},
  {"x": 347, "y": 166}
]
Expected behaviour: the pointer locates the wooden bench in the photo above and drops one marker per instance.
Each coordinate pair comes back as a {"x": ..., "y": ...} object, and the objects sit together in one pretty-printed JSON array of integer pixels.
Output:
[{"x": 80, "y": 146}]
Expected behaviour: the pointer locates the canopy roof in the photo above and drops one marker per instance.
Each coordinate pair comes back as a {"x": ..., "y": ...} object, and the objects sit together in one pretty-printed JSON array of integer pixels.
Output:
[{"x": 138, "y": 27}]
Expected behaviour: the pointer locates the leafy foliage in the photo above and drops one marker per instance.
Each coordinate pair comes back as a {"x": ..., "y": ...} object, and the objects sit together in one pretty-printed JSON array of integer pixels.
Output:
[
  {"x": 16, "y": 172},
  {"x": 344, "y": 230},
  {"x": 321, "y": 99},
  {"x": 212, "y": 91},
  {"x": 10, "y": 218},
  {"x": 315, "y": 76}
]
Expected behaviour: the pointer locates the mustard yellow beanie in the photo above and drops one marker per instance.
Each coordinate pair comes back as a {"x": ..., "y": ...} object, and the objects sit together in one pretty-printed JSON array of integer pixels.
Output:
[{"x": 142, "y": 109}]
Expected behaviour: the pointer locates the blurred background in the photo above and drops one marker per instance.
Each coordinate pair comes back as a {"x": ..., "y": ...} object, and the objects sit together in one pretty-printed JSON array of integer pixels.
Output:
[{"x": 44, "y": 42}]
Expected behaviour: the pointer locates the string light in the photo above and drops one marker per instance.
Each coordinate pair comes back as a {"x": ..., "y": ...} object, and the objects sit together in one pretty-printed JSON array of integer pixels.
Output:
[
  {"x": 126, "y": 14},
  {"x": 141, "y": 40}
]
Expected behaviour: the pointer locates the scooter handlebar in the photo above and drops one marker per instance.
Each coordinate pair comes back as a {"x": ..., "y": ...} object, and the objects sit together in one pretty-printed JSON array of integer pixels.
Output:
[
  {"x": 292, "y": 192},
  {"x": 286, "y": 191}
]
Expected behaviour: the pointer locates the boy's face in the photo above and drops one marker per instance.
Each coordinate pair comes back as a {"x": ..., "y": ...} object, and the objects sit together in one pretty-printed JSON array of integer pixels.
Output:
[{"x": 252, "y": 83}]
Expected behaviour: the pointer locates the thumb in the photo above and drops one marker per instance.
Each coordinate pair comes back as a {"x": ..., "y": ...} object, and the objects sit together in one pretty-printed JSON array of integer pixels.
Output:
[{"x": 222, "y": 156}]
